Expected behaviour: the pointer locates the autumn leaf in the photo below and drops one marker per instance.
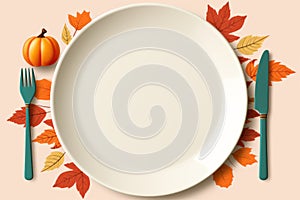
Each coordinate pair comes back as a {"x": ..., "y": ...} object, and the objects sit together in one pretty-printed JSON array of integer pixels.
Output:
[
  {"x": 49, "y": 122},
  {"x": 66, "y": 35},
  {"x": 244, "y": 157},
  {"x": 43, "y": 88},
  {"x": 248, "y": 83},
  {"x": 223, "y": 176},
  {"x": 224, "y": 23},
  {"x": 37, "y": 114},
  {"x": 250, "y": 44},
  {"x": 80, "y": 20},
  {"x": 247, "y": 136},
  {"x": 251, "y": 70},
  {"x": 251, "y": 113},
  {"x": 242, "y": 59},
  {"x": 53, "y": 161},
  {"x": 277, "y": 71},
  {"x": 48, "y": 137},
  {"x": 74, "y": 176}
]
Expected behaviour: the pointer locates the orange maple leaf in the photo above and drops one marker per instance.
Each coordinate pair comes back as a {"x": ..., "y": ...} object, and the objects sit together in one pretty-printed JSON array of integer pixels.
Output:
[
  {"x": 48, "y": 137},
  {"x": 223, "y": 176},
  {"x": 80, "y": 20},
  {"x": 43, "y": 88},
  {"x": 277, "y": 71},
  {"x": 224, "y": 23},
  {"x": 69, "y": 178},
  {"x": 244, "y": 157}
]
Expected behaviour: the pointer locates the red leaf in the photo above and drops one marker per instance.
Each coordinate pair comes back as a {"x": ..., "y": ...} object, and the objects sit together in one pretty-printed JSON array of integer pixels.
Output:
[
  {"x": 37, "y": 114},
  {"x": 248, "y": 83},
  {"x": 49, "y": 122},
  {"x": 224, "y": 12},
  {"x": 66, "y": 179},
  {"x": 252, "y": 114},
  {"x": 231, "y": 38},
  {"x": 224, "y": 23},
  {"x": 72, "y": 166},
  {"x": 243, "y": 59},
  {"x": 83, "y": 184},
  {"x": 69, "y": 178},
  {"x": 247, "y": 135}
]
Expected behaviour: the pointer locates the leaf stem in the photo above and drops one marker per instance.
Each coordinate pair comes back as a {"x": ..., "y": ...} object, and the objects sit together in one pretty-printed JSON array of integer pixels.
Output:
[{"x": 75, "y": 32}]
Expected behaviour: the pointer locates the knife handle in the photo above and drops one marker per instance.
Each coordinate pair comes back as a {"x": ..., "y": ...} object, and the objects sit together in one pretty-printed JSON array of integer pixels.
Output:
[{"x": 263, "y": 159}]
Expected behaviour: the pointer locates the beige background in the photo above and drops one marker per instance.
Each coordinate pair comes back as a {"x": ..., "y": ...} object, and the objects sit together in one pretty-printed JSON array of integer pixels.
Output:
[{"x": 279, "y": 19}]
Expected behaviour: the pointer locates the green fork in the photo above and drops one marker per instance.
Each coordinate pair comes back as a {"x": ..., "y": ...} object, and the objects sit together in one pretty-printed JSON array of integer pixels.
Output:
[{"x": 27, "y": 89}]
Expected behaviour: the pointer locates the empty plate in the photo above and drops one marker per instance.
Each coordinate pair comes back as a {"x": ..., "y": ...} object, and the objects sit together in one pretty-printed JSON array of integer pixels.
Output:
[{"x": 149, "y": 99}]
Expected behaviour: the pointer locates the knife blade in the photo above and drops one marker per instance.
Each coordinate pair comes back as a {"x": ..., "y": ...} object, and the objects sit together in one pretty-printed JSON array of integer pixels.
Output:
[{"x": 261, "y": 104}]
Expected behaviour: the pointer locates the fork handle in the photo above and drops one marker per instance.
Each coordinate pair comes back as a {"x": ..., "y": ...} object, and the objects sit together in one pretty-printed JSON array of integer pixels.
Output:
[
  {"x": 28, "y": 172},
  {"x": 263, "y": 159}
]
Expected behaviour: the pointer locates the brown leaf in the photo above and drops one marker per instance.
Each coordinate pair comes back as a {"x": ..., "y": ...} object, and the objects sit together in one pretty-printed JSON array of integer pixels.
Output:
[
  {"x": 48, "y": 137},
  {"x": 37, "y": 114},
  {"x": 223, "y": 176},
  {"x": 43, "y": 88},
  {"x": 69, "y": 178},
  {"x": 244, "y": 157}
]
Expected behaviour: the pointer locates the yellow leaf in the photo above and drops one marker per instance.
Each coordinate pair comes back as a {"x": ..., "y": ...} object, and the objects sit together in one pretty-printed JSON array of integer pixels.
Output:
[
  {"x": 66, "y": 35},
  {"x": 53, "y": 161},
  {"x": 250, "y": 44}
]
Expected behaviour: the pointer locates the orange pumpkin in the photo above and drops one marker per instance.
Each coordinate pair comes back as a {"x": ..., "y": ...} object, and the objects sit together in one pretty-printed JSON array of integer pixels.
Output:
[{"x": 41, "y": 50}]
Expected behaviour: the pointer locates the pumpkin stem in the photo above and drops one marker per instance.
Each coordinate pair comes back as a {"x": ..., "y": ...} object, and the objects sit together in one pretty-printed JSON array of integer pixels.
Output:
[{"x": 42, "y": 34}]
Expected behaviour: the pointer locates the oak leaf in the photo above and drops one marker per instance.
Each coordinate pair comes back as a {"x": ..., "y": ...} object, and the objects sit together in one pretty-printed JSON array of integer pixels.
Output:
[
  {"x": 37, "y": 114},
  {"x": 74, "y": 176},
  {"x": 223, "y": 176},
  {"x": 224, "y": 23},
  {"x": 80, "y": 20},
  {"x": 48, "y": 137},
  {"x": 49, "y": 122},
  {"x": 247, "y": 136},
  {"x": 66, "y": 35},
  {"x": 244, "y": 157},
  {"x": 53, "y": 161},
  {"x": 277, "y": 71},
  {"x": 250, "y": 44},
  {"x": 43, "y": 88}
]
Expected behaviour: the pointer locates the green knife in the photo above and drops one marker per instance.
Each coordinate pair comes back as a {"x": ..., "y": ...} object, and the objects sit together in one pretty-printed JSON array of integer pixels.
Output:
[{"x": 261, "y": 104}]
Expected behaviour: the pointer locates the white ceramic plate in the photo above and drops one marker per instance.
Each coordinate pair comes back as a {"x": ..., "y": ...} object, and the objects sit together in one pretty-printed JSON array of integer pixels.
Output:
[{"x": 149, "y": 100}]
